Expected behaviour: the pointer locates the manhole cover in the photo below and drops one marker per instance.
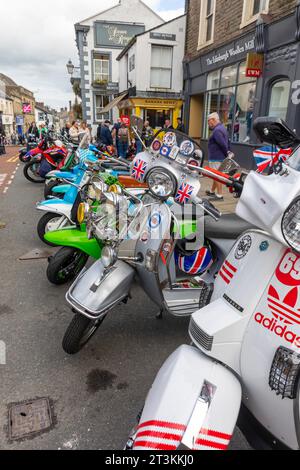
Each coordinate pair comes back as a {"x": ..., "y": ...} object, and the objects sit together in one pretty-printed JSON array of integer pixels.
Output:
[
  {"x": 37, "y": 254},
  {"x": 29, "y": 418}
]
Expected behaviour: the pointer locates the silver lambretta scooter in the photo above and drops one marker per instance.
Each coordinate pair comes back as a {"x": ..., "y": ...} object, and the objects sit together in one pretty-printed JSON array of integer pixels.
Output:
[{"x": 153, "y": 243}]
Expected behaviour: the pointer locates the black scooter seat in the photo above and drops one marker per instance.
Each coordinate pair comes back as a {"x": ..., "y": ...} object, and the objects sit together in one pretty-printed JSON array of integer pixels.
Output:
[{"x": 229, "y": 227}]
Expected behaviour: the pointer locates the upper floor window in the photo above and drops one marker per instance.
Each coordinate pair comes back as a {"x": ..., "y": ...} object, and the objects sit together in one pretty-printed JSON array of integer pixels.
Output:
[
  {"x": 132, "y": 63},
  {"x": 161, "y": 67},
  {"x": 101, "y": 68},
  {"x": 207, "y": 23},
  {"x": 252, "y": 9}
]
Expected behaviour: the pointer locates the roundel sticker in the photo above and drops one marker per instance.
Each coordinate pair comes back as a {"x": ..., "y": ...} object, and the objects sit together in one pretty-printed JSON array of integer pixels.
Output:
[
  {"x": 243, "y": 247},
  {"x": 165, "y": 151},
  {"x": 170, "y": 139},
  {"x": 288, "y": 270},
  {"x": 187, "y": 148},
  {"x": 155, "y": 221}
]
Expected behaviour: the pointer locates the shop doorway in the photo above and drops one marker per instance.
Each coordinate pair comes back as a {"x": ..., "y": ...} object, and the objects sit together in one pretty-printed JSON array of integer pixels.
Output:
[
  {"x": 157, "y": 118},
  {"x": 196, "y": 117}
]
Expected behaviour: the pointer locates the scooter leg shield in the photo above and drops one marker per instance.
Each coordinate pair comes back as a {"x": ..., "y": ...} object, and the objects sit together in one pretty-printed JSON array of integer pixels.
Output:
[
  {"x": 194, "y": 403},
  {"x": 97, "y": 290},
  {"x": 75, "y": 238}
]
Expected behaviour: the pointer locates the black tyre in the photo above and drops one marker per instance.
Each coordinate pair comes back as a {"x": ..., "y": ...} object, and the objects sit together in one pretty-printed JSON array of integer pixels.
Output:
[
  {"x": 43, "y": 226},
  {"x": 48, "y": 190},
  {"x": 66, "y": 265},
  {"x": 23, "y": 158},
  {"x": 31, "y": 172},
  {"x": 79, "y": 333}
]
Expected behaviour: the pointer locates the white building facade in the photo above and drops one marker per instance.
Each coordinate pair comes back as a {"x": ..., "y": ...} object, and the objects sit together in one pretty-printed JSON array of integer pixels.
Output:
[
  {"x": 151, "y": 71},
  {"x": 100, "y": 40},
  {"x": 6, "y": 114}
]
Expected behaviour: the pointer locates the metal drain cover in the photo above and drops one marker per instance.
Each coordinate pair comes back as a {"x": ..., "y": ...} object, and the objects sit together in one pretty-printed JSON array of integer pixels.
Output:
[{"x": 29, "y": 418}]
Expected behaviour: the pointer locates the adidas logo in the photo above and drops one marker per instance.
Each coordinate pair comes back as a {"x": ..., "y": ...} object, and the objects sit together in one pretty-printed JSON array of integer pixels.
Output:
[{"x": 280, "y": 330}]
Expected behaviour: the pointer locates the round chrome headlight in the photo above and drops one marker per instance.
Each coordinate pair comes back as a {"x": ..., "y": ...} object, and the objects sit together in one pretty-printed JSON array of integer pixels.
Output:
[
  {"x": 291, "y": 225},
  {"x": 162, "y": 184},
  {"x": 108, "y": 256}
]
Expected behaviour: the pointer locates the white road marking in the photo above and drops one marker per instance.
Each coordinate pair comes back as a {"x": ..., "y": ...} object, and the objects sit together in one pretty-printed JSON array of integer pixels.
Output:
[{"x": 2, "y": 178}]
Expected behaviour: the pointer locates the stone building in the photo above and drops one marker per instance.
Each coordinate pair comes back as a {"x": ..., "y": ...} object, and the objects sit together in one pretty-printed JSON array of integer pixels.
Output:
[{"x": 221, "y": 37}]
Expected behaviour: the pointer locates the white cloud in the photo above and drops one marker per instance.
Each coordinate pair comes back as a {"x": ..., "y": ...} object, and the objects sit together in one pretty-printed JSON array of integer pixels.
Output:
[{"x": 37, "y": 39}]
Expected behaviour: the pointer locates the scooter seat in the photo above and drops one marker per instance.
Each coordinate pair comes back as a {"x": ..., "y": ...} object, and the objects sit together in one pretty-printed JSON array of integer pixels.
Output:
[{"x": 230, "y": 226}]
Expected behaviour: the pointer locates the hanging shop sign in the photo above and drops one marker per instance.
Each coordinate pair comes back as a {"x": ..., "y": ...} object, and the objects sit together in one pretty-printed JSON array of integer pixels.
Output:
[
  {"x": 255, "y": 63},
  {"x": 125, "y": 120},
  {"x": 115, "y": 34},
  {"x": 27, "y": 108}
]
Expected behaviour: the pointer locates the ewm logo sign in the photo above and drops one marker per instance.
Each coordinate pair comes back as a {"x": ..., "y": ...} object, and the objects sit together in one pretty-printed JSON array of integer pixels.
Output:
[{"x": 2, "y": 353}]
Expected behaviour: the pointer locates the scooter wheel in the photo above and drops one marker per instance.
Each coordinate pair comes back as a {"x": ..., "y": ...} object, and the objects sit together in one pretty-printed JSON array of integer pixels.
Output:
[
  {"x": 48, "y": 190},
  {"x": 79, "y": 333},
  {"x": 43, "y": 224},
  {"x": 24, "y": 159},
  {"x": 31, "y": 173},
  {"x": 65, "y": 265}
]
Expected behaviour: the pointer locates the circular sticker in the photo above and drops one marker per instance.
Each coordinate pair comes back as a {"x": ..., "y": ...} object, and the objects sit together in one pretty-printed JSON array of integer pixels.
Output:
[
  {"x": 165, "y": 151},
  {"x": 155, "y": 221},
  {"x": 243, "y": 247},
  {"x": 156, "y": 146},
  {"x": 187, "y": 148},
  {"x": 170, "y": 139}
]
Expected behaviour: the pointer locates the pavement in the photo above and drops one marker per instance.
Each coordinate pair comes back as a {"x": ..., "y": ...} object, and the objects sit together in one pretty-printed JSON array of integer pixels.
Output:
[{"x": 97, "y": 394}]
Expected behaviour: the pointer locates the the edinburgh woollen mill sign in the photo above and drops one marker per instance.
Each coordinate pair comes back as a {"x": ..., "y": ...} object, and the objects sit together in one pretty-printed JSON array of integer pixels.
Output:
[{"x": 115, "y": 34}]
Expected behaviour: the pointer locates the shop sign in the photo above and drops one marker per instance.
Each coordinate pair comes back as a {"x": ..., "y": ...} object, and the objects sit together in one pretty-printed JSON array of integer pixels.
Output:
[
  {"x": 163, "y": 36},
  {"x": 255, "y": 63},
  {"x": 19, "y": 120},
  {"x": 125, "y": 120},
  {"x": 156, "y": 102},
  {"x": 7, "y": 120},
  {"x": 116, "y": 34},
  {"x": 230, "y": 53},
  {"x": 27, "y": 108}
]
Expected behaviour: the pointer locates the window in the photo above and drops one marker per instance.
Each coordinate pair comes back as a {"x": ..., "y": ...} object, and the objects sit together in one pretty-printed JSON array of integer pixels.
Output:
[
  {"x": 207, "y": 23},
  {"x": 232, "y": 95},
  {"x": 132, "y": 63},
  {"x": 101, "y": 101},
  {"x": 279, "y": 101},
  {"x": 252, "y": 9},
  {"x": 161, "y": 67},
  {"x": 101, "y": 68}
]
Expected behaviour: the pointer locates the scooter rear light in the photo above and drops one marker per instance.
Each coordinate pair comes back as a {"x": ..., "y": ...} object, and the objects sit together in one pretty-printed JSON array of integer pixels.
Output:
[{"x": 284, "y": 374}]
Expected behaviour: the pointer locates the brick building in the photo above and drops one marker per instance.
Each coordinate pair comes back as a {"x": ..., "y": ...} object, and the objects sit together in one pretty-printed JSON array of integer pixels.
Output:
[{"x": 220, "y": 35}]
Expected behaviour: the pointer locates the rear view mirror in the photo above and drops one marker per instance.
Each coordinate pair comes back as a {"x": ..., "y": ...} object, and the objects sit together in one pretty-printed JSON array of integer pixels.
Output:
[{"x": 230, "y": 166}]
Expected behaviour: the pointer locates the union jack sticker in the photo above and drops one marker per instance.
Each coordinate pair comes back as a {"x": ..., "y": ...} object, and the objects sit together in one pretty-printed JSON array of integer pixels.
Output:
[
  {"x": 184, "y": 194},
  {"x": 139, "y": 170}
]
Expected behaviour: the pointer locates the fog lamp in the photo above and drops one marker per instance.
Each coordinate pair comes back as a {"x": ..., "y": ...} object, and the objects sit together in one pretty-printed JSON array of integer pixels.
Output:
[
  {"x": 82, "y": 212},
  {"x": 291, "y": 225},
  {"x": 284, "y": 373},
  {"x": 108, "y": 256}
]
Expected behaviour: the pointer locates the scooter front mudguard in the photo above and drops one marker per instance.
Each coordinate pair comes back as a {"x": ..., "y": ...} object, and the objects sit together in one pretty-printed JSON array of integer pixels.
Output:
[
  {"x": 97, "y": 290},
  {"x": 75, "y": 238},
  {"x": 56, "y": 206},
  {"x": 194, "y": 403}
]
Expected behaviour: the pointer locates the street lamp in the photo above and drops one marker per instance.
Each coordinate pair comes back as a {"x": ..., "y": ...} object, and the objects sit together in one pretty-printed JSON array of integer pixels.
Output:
[{"x": 70, "y": 67}]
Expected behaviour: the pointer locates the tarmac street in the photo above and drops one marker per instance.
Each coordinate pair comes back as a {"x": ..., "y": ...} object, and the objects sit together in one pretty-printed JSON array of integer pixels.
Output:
[{"x": 96, "y": 395}]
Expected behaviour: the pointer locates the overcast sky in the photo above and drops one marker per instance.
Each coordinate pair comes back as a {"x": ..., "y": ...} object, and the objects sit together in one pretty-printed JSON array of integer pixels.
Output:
[{"x": 37, "y": 38}]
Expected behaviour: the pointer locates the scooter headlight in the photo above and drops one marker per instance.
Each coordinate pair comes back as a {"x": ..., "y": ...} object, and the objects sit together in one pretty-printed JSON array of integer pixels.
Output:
[
  {"x": 108, "y": 256},
  {"x": 82, "y": 213},
  {"x": 291, "y": 225},
  {"x": 162, "y": 184}
]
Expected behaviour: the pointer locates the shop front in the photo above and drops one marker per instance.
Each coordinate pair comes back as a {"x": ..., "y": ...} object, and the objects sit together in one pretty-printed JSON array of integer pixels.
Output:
[
  {"x": 220, "y": 81},
  {"x": 154, "y": 110}
]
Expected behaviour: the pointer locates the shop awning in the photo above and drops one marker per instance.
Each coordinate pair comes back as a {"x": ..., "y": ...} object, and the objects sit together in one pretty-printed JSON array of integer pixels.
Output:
[{"x": 114, "y": 103}]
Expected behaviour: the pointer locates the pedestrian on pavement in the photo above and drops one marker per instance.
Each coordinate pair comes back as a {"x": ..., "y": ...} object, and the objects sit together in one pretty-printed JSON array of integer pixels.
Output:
[
  {"x": 115, "y": 131},
  {"x": 148, "y": 134},
  {"x": 74, "y": 132},
  {"x": 180, "y": 126},
  {"x": 104, "y": 134},
  {"x": 123, "y": 141},
  {"x": 218, "y": 150},
  {"x": 2, "y": 144},
  {"x": 84, "y": 135},
  {"x": 168, "y": 124}
]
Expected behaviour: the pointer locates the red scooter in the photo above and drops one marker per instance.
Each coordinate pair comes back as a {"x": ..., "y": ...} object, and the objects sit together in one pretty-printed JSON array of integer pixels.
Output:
[{"x": 47, "y": 156}]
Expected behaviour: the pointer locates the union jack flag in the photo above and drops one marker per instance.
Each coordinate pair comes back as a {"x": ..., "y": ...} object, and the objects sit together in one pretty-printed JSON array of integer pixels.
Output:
[
  {"x": 268, "y": 156},
  {"x": 184, "y": 194},
  {"x": 139, "y": 170}
]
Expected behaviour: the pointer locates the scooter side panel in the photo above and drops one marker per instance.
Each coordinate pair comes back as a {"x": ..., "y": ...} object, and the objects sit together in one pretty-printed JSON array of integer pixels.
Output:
[
  {"x": 56, "y": 206},
  {"x": 76, "y": 239},
  {"x": 176, "y": 412},
  {"x": 98, "y": 290}
]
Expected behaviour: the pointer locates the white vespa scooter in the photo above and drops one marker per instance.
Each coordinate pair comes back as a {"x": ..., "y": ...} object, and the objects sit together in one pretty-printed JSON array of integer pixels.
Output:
[{"x": 246, "y": 342}]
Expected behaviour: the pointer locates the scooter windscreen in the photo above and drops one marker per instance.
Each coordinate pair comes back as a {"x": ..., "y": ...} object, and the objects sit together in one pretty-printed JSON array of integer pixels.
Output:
[{"x": 170, "y": 166}]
